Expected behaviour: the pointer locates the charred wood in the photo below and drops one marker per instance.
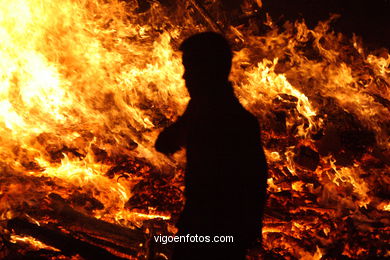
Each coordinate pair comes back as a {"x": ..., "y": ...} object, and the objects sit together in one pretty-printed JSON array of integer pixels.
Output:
[
  {"x": 205, "y": 15},
  {"x": 307, "y": 158},
  {"x": 68, "y": 245},
  {"x": 76, "y": 221},
  {"x": 109, "y": 245}
]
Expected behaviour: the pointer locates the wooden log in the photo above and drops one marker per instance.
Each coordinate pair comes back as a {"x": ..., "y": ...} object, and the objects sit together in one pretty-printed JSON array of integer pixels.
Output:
[
  {"x": 205, "y": 15},
  {"x": 111, "y": 247},
  {"x": 68, "y": 245},
  {"x": 212, "y": 23},
  {"x": 77, "y": 221}
]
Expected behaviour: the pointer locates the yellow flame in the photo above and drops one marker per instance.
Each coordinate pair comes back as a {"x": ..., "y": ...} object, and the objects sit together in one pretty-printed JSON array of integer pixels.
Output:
[{"x": 32, "y": 241}]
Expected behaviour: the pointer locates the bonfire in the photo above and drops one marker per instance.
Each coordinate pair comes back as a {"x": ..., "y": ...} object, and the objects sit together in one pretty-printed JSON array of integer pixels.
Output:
[{"x": 87, "y": 85}]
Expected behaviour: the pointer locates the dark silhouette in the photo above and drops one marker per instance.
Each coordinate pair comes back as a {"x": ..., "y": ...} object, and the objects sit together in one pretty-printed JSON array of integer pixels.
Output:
[{"x": 226, "y": 173}]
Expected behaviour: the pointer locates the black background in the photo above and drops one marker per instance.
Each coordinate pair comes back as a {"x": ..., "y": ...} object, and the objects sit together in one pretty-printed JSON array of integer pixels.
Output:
[{"x": 368, "y": 19}]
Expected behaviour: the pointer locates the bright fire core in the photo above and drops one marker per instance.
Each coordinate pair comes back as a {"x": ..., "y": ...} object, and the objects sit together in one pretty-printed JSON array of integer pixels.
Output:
[{"x": 87, "y": 85}]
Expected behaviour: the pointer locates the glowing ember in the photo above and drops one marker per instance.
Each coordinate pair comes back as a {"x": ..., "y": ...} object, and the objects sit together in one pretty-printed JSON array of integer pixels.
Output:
[
  {"x": 86, "y": 86},
  {"x": 32, "y": 241}
]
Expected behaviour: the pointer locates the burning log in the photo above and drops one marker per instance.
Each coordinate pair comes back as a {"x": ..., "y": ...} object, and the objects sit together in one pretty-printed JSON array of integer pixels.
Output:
[
  {"x": 77, "y": 230},
  {"x": 67, "y": 244},
  {"x": 203, "y": 12},
  {"x": 76, "y": 221}
]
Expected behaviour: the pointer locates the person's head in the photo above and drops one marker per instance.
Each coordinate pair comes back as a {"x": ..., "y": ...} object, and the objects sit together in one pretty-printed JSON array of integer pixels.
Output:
[{"x": 207, "y": 58}]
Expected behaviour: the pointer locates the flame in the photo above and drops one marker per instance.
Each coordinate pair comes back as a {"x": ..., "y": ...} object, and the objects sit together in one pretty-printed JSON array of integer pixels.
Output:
[
  {"x": 87, "y": 85},
  {"x": 36, "y": 244}
]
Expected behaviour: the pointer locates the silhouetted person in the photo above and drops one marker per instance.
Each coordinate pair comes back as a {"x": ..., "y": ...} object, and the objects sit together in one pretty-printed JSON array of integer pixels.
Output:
[{"x": 226, "y": 173}]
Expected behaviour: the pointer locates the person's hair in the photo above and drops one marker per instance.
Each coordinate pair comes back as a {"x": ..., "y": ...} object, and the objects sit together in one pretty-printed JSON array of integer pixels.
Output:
[{"x": 207, "y": 52}]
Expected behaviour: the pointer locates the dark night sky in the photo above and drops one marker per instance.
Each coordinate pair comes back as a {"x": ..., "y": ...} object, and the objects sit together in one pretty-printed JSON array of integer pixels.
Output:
[{"x": 367, "y": 18}]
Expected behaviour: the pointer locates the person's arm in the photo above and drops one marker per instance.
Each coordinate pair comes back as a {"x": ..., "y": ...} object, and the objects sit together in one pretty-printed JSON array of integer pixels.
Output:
[{"x": 172, "y": 138}]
